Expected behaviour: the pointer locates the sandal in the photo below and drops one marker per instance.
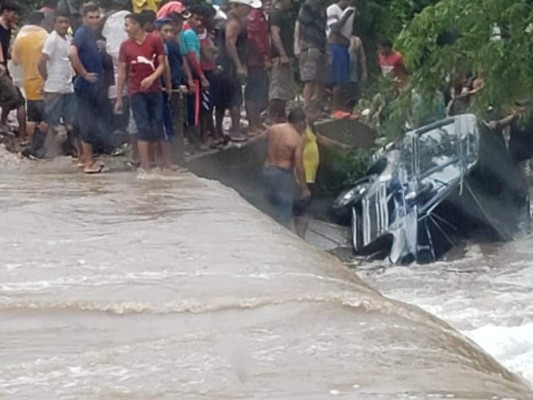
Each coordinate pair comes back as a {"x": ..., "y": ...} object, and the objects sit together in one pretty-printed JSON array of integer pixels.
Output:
[{"x": 96, "y": 168}]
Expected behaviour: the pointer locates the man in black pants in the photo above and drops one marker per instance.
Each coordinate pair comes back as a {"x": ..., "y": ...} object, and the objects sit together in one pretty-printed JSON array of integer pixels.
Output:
[
  {"x": 93, "y": 104},
  {"x": 8, "y": 16}
]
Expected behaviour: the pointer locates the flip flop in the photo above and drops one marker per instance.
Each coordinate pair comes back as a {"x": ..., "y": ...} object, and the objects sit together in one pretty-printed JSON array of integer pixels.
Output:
[{"x": 96, "y": 170}]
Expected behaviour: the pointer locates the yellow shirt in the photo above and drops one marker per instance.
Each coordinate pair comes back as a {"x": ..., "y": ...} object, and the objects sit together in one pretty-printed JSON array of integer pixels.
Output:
[
  {"x": 311, "y": 156},
  {"x": 27, "y": 50},
  {"x": 139, "y": 5}
]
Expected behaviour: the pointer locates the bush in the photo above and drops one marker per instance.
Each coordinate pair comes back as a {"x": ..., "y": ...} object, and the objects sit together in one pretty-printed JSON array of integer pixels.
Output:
[{"x": 339, "y": 170}]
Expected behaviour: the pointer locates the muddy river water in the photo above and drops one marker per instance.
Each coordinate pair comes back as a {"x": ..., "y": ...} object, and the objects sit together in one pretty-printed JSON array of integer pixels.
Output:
[{"x": 122, "y": 286}]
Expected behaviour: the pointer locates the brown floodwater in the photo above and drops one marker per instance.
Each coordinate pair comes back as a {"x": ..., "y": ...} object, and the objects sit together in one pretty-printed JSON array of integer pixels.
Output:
[{"x": 126, "y": 286}]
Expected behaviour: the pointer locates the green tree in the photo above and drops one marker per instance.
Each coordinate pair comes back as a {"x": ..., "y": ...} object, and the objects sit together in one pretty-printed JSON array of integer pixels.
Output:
[{"x": 504, "y": 62}]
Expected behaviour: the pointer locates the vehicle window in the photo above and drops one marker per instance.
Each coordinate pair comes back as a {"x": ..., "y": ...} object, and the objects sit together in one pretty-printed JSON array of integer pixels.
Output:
[
  {"x": 437, "y": 147},
  {"x": 406, "y": 154}
]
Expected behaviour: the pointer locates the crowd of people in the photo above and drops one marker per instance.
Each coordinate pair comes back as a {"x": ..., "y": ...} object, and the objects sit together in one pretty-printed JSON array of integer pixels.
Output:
[
  {"x": 161, "y": 74},
  {"x": 155, "y": 73}
]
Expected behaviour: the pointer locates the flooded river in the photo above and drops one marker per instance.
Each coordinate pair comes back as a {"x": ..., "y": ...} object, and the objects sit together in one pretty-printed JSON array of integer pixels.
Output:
[
  {"x": 171, "y": 287},
  {"x": 486, "y": 293}
]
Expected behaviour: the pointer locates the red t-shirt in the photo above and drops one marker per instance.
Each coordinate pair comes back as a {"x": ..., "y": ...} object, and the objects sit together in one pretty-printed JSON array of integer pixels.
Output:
[
  {"x": 141, "y": 61},
  {"x": 392, "y": 63}
]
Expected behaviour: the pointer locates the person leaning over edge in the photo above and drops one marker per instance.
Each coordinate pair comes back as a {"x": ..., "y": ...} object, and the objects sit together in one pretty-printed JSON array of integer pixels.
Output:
[
  {"x": 311, "y": 162},
  {"x": 285, "y": 162}
]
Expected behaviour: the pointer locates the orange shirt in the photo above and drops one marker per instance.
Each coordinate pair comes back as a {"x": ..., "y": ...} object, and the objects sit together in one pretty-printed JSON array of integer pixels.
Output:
[{"x": 27, "y": 50}]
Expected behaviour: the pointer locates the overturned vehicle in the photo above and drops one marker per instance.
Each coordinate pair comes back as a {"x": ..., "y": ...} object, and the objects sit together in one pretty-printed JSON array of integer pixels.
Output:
[{"x": 433, "y": 186}]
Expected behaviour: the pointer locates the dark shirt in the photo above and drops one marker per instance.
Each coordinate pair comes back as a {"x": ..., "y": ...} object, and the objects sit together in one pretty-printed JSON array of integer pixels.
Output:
[
  {"x": 282, "y": 19},
  {"x": 84, "y": 40},
  {"x": 175, "y": 62},
  {"x": 312, "y": 18},
  {"x": 5, "y": 39},
  {"x": 223, "y": 59}
]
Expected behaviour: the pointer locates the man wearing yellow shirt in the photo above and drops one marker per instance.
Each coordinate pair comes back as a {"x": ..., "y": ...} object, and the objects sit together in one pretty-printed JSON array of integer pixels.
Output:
[
  {"x": 311, "y": 161},
  {"x": 139, "y": 5},
  {"x": 26, "y": 52}
]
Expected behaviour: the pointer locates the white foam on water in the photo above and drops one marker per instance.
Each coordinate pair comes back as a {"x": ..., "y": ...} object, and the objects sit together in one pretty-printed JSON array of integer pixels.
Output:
[
  {"x": 8, "y": 159},
  {"x": 487, "y": 295},
  {"x": 511, "y": 345}
]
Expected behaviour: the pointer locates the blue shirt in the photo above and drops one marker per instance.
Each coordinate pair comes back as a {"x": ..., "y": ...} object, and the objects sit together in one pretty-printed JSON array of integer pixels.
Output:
[
  {"x": 85, "y": 41},
  {"x": 190, "y": 43},
  {"x": 175, "y": 62}
]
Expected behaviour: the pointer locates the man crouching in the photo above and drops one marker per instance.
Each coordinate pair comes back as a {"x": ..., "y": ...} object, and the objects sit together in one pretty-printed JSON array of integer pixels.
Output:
[{"x": 284, "y": 163}]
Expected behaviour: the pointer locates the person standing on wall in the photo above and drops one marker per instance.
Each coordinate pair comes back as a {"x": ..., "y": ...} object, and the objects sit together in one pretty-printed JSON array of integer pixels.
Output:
[
  {"x": 340, "y": 22},
  {"x": 258, "y": 64},
  {"x": 282, "y": 85},
  {"x": 310, "y": 47}
]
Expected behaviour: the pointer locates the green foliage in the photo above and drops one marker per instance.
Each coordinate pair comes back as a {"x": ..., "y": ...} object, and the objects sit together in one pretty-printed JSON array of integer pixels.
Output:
[
  {"x": 387, "y": 17},
  {"x": 31, "y": 5},
  {"x": 505, "y": 65},
  {"x": 340, "y": 169}
]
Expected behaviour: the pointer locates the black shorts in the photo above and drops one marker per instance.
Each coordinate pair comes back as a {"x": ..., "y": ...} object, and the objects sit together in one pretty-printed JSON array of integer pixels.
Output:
[
  {"x": 301, "y": 207},
  {"x": 226, "y": 91},
  {"x": 35, "y": 110}
]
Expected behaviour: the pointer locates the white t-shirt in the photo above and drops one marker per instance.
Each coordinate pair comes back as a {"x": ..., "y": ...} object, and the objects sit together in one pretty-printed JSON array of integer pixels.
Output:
[
  {"x": 58, "y": 66},
  {"x": 114, "y": 34},
  {"x": 334, "y": 14}
]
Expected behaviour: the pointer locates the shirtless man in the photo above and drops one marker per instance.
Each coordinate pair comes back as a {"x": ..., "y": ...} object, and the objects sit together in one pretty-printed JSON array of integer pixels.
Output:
[{"x": 285, "y": 162}]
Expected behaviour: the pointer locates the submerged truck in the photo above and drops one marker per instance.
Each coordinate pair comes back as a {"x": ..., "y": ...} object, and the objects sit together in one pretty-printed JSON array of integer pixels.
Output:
[{"x": 433, "y": 186}]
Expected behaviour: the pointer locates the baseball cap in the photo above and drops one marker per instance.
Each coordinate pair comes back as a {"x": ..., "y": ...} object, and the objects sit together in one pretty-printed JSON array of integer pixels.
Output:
[
  {"x": 162, "y": 21},
  {"x": 251, "y": 3}
]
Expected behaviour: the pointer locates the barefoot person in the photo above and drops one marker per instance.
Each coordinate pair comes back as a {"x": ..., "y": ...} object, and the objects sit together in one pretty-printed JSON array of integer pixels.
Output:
[
  {"x": 142, "y": 62},
  {"x": 285, "y": 162}
]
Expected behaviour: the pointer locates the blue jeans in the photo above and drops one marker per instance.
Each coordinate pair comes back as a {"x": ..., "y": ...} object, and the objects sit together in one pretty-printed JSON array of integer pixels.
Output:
[
  {"x": 147, "y": 109},
  {"x": 279, "y": 186}
]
